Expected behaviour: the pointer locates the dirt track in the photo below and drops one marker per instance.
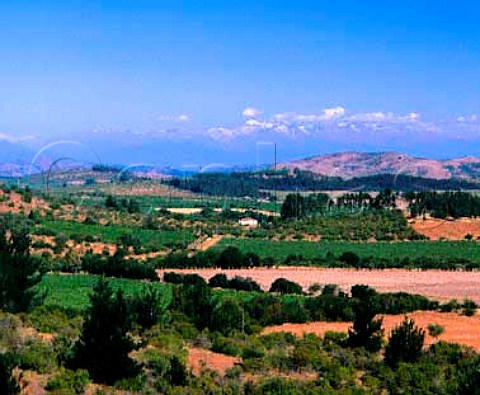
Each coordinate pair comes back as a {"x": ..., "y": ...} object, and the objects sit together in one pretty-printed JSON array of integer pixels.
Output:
[{"x": 435, "y": 284}]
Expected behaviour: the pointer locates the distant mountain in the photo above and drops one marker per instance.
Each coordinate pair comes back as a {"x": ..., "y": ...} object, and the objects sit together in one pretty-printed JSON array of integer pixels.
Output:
[
  {"x": 14, "y": 159},
  {"x": 357, "y": 164}
]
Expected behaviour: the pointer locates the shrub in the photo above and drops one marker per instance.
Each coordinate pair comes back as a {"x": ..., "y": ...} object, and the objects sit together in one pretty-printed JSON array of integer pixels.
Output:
[
  {"x": 367, "y": 331},
  {"x": 405, "y": 344},
  {"x": 469, "y": 307},
  {"x": 284, "y": 286},
  {"x": 227, "y": 316},
  {"x": 435, "y": 330},
  {"x": 68, "y": 382},
  {"x": 220, "y": 280},
  {"x": 231, "y": 258},
  {"x": 350, "y": 259},
  {"x": 37, "y": 355},
  {"x": 173, "y": 278},
  {"x": 244, "y": 284}
]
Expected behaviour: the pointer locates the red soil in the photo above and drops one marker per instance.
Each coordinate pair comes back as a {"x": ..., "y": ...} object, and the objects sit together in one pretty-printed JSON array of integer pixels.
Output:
[
  {"x": 199, "y": 357},
  {"x": 436, "y": 229},
  {"x": 458, "y": 329}
]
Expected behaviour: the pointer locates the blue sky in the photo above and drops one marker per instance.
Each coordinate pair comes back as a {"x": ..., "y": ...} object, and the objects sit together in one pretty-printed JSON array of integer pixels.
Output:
[{"x": 193, "y": 67}]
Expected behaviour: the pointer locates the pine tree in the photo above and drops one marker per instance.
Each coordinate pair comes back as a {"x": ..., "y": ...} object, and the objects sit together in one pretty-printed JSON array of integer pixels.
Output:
[
  {"x": 104, "y": 344},
  {"x": 405, "y": 343},
  {"x": 366, "y": 332},
  {"x": 19, "y": 271}
]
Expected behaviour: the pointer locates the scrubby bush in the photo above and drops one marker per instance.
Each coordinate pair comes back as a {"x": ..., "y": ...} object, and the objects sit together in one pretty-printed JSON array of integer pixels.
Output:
[
  {"x": 284, "y": 286},
  {"x": 404, "y": 344},
  {"x": 68, "y": 382},
  {"x": 220, "y": 280}
]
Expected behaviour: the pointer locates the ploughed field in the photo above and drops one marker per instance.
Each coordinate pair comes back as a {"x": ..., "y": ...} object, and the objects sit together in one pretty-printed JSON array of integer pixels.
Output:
[
  {"x": 457, "y": 329},
  {"x": 435, "y": 284}
]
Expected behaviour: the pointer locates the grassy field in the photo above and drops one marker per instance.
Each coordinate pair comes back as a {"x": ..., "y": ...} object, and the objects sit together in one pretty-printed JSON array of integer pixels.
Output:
[
  {"x": 110, "y": 234},
  {"x": 413, "y": 249},
  {"x": 72, "y": 291}
]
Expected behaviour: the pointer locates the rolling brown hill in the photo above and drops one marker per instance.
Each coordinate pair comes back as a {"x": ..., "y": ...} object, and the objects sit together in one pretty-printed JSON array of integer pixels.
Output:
[{"x": 357, "y": 164}]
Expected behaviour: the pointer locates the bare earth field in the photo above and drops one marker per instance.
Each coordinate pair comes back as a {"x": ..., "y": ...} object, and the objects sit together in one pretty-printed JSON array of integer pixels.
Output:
[
  {"x": 437, "y": 229},
  {"x": 199, "y": 357},
  {"x": 458, "y": 329},
  {"x": 435, "y": 284}
]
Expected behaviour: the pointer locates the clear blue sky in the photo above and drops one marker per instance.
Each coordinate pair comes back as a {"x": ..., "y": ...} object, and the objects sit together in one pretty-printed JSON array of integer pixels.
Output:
[{"x": 73, "y": 66}]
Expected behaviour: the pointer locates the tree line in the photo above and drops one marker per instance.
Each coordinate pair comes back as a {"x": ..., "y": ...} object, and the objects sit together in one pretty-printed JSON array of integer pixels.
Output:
[
  {"x": 442, "y": 205},
  {"x": 240, "y": 184}
]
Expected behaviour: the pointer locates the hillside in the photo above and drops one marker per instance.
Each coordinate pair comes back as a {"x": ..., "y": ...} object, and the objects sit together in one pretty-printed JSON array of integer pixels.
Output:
[{"x": 358, "y": 164}]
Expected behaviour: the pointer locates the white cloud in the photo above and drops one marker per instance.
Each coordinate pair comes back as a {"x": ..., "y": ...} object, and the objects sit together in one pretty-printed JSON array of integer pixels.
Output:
[
  {"x": 334, "y": 112},
  {"x": 467, "y": 118},
  {"x": 15, "y": 139},
  {"x": 175, "y": 118},
  {"x": 184, "y": 118},
  {"x": 333, "y": 119},
  {"x": 251, "y": 112}
]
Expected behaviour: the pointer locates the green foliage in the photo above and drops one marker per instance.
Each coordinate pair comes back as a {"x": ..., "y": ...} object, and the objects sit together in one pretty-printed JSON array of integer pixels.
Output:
[
  {"x": 243, "y": 284},
  {"x": 442, "y": 205},
  {"x": 8, "y": 383},
  {"x": 404, "y": 344},
  {"x": 148, "y": 307},
  {"x": 350, "y": 259},
  {"x": 367, "y": 331},
  {"x": 284, "y": 286},
  {"x": 469, "y": 377},
  {"x": 293, "y": 207},
  {"x": 19, "y": 271},
  {"x": 469, "y": 307},
  {"x": 48, "y": 319},
  {"x": 426, "y": 255},
  {"x": 231, "y": 258},
  {"x": 195, "y": 301},
  {"x": 220, "y": 280},
  {"x": 68, "y": 382},
  {"x": 227, "y": 316},
  {"x": 71, "y": 292},
  {"x": 104, "y": 343},
  {"x": 151, "y": 240},
  {"x": 435, "y": 330},
  {"x": 37, "y": 355}
]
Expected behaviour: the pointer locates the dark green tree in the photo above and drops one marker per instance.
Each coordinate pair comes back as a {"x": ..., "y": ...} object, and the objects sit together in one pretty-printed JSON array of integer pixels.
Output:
[
  {"x": 293, "y": 206},
  {"x": 19, "y": 271},
  {"x": 177, "y": 373},
  {"x": 195, "y": 301},
  {"x": 405, "y": 344},
  {"x": 148, "y": 308},
  {"x": 469, "y": 377},
  {"x": 104, "y": 343},
  {"x": 231, "y": 258},
  {"x": 220, "y": 280},
  {"x": 251, "y": 260},
  {"x": 110, "y": 202},
  {"x": 228, "y": 315},
  {"x": 8, "y": 383},
  {"x": 367, "y": 331},
  {"x": 284, "y": 286}
]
